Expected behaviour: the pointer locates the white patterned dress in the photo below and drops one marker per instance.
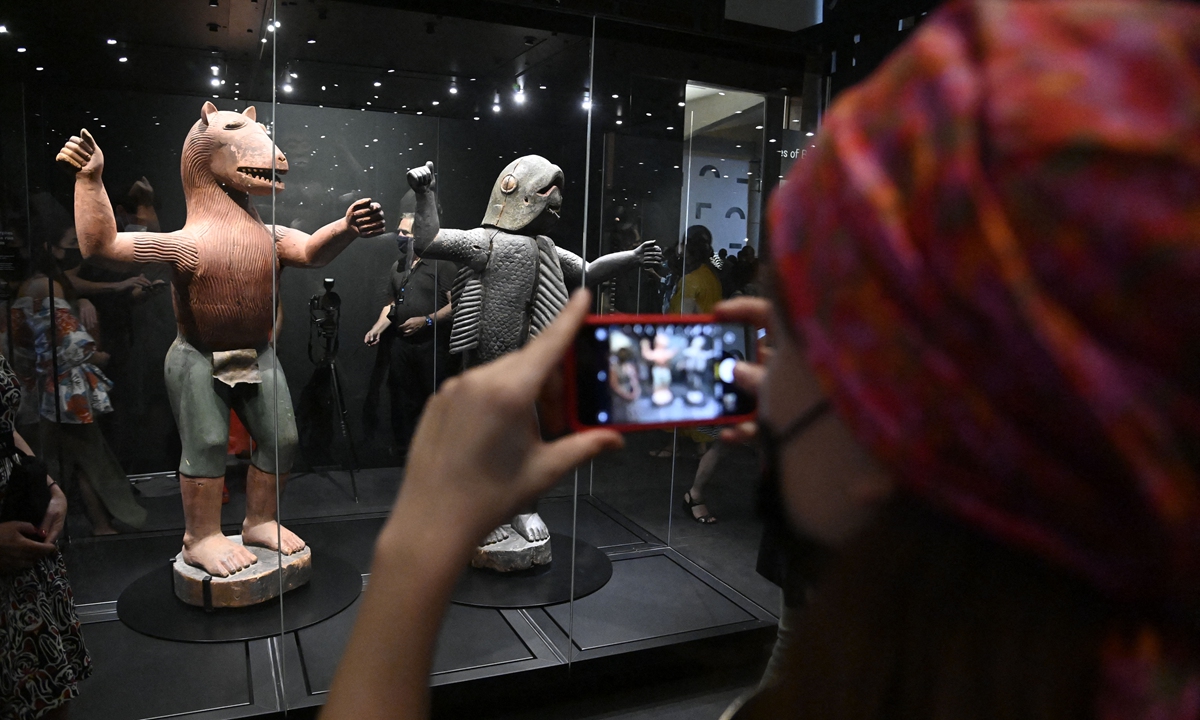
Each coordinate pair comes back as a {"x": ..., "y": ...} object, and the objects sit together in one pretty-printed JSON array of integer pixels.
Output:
[{"x": 42, "y": 655}]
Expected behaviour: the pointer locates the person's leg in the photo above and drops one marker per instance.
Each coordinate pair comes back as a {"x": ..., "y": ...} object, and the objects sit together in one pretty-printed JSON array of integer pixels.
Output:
[
  {"x": 266, "y": 411},
  {"x": 94, "y": 508},
  {"x": 201, "y": 410},
  {"x": 100, "y": 469},
  {"x": 412, "y": 378},
  {"x": 694, "y": 498}
]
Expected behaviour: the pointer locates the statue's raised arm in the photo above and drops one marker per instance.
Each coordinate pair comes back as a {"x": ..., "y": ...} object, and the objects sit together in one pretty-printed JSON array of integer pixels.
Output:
[
  {"x": 364, "y": 218},
  {"x": 96, "y": 225},
  {"x": 576, "y": 271},
  {"x": 430, "y": 241}
]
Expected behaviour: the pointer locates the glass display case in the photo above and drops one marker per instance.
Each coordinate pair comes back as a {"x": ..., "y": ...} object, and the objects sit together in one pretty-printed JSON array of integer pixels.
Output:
[{"x": 296, "y": 396}]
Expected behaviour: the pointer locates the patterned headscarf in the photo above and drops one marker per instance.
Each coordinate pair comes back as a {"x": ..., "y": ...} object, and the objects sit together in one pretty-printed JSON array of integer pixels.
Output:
[{"x": 993, "y": 257}]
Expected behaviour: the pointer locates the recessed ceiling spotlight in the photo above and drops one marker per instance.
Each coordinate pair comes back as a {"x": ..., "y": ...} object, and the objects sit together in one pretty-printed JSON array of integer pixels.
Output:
[
  {"x": 720, "y": 93},
  {"x": 278, "y": 24},
  {"x": 476, "y": 117},
  {"x": 437, "y": 102},
  {"x": 312, "y": 39},
  {"x": 322, "y": 87},
  {"x": 758, "y": 127},
  {"x": 519, "y": 96},
  {"x": 541, "y": 87},
  {"x": 419, "y": 112},
  {"x": 20, "y": 49},
  {"x": 264, "y": 39},
  {"x": 670, "y": 127},
  {"x": 287, "y": 87},
  {"x": 649, "y": 115},
  {"x": 495, "y": 108},
  {"x": 377, "y": 83},
  {"x": 39, "y": 68},
  {"x": 618, "y": 122},
  {"x": 3, "y": 29},
  {"x": 771, "y": 140},
  {"x": 808, "y": 134},
  {"x": 616, "y": 97},
  {"x": 216, "y": 82},
  {"x": 453, "y": 89},
  {"x": 110, "y": 41},
  {"x": 122, "y": 59},
  {"x": 216, "y": 69},
  {"x": 682, "y": 103},
  {"x": 391, "y": 70}
]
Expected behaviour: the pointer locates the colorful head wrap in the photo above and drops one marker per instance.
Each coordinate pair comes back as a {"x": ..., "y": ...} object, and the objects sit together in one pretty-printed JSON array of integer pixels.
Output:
[{"x": 993, "y": 257}]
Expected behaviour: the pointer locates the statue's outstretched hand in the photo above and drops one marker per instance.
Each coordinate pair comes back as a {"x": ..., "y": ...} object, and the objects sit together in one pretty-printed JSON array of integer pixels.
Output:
[
  {"x": 365, "y": 217},
  {"x": 420, "y": 179},
  {"x": 649, "y": 253},
  {"x": 82, "y": 154}
]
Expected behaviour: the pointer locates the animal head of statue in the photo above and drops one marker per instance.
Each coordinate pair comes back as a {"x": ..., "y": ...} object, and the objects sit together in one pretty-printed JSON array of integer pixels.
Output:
[
  {"x": 234, "y": 150},
  {"x": 527, "y": 196}
]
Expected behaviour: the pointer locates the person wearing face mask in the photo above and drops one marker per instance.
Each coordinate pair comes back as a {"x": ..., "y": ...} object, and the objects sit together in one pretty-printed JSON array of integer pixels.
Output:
[
  {"x": 982, "y": 394},
  {"x": 409, "y": 324}
]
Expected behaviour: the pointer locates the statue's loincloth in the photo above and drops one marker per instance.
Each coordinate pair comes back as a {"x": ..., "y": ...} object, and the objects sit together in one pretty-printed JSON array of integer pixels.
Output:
[{"x": 204, "y": 386}]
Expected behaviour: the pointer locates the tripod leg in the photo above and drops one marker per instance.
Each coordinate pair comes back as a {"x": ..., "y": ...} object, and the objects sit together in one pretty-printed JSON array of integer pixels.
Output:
[{"x": 341, "y": 406}]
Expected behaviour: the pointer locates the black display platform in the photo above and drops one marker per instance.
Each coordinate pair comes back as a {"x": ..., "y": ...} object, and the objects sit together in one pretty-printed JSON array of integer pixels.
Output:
[
  {"x": 537, "y": 586},
  {"x": 149, "y": 606}
]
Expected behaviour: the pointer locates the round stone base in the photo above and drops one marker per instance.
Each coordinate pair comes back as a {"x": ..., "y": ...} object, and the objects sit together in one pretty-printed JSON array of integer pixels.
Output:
[
  {"x": 512, "y": 553},
  {"x": 257, "y": 583}
]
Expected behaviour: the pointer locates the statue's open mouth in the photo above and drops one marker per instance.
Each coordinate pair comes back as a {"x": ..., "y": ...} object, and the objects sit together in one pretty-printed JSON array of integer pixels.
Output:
[
  {"x": 555, "y": 198},
  {"x": 263, "y": 174}
]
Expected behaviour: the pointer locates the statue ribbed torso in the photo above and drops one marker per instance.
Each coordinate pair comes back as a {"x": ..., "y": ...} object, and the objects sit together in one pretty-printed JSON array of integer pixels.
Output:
[
  {"x": 225, "y": 303},
  {"x": 224, "y": 260}
]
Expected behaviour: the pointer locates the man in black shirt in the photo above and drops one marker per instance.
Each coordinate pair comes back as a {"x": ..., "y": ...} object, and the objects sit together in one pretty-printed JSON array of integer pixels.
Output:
[{"x": 414, "y": 326}]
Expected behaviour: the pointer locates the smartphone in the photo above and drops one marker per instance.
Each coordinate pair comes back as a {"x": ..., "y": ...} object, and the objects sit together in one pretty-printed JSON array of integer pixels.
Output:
[{"x": 636, "y": 372}]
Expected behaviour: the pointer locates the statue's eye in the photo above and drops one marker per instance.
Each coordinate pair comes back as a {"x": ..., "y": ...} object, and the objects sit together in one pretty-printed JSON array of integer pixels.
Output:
[{"x": 234, "y": 125}]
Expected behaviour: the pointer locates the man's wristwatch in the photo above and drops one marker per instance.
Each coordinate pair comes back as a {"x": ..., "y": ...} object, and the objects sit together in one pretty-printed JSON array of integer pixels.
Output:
[{"x": 428, "y": 321}]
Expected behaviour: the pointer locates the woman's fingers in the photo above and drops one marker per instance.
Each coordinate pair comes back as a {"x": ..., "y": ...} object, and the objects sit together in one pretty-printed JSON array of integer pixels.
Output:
[
  {"x": 749, "y": 310},
  {"x": 538, "y": 359},
  {"x": 749, "y": 376},
  {"x": 555, "y": 459}
]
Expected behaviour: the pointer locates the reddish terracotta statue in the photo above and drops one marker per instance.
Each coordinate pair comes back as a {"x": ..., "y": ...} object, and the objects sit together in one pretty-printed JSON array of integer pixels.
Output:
[{"x": 225, "y": 262}]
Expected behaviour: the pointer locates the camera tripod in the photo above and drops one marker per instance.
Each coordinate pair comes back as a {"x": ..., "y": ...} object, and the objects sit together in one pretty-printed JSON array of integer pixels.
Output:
[{"x": 324, "y": 323}]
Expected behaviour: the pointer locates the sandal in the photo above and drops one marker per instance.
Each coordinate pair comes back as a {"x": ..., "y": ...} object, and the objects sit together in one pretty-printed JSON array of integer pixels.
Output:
[{"x": 705, "y": 519}]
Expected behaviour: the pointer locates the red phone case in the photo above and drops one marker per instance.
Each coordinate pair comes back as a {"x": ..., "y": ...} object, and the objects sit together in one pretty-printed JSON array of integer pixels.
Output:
[{"x": 572, "y": 390}]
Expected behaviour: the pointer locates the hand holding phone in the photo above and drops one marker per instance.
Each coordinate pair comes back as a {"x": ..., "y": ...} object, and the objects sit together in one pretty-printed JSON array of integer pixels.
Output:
[{"x": 634, "y": 372}]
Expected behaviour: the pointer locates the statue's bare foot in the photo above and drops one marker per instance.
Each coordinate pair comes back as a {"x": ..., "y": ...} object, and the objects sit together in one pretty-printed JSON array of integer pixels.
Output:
[
  {"x": 495, "y": 536},
  {"x": 218, "y": 555},
  {"x": 272, "y": 536},
  {"x": 531, "y": 527}
]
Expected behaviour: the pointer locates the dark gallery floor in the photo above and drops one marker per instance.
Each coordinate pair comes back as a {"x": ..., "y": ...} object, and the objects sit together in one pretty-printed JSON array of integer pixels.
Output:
[{"x": 682, "y": 626}]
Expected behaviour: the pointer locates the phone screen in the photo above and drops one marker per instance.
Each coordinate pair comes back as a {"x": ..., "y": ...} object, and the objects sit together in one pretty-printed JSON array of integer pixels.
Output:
[{"x": 661, "y": 373}]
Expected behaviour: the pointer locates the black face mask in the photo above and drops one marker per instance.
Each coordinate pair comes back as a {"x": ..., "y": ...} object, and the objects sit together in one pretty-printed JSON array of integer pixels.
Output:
[{"x": 771, "y": 504}]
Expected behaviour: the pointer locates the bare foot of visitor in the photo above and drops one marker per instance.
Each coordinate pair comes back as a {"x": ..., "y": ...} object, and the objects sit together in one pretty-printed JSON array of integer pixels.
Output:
[
  {"x": 531, "y": 527},
  {"x": 217, "y": 554},
  {"x": 269, "y": 535}
]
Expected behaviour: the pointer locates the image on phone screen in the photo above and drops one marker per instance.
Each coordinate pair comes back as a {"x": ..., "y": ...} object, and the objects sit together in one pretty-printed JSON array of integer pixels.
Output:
[{"x": 651, "y": 374}]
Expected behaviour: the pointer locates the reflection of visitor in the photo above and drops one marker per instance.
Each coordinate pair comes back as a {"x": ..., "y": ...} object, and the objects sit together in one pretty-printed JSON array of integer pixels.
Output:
[
  {"x": 660, "y": 356},
  {"x": 72, "y": 444},
  {"x": 625, "y": 384},
  {"x": 699, "y": 289}
]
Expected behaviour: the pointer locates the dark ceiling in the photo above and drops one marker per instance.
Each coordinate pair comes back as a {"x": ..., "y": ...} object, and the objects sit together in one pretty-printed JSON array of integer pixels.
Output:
[{"x": 399, "y": 56}]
